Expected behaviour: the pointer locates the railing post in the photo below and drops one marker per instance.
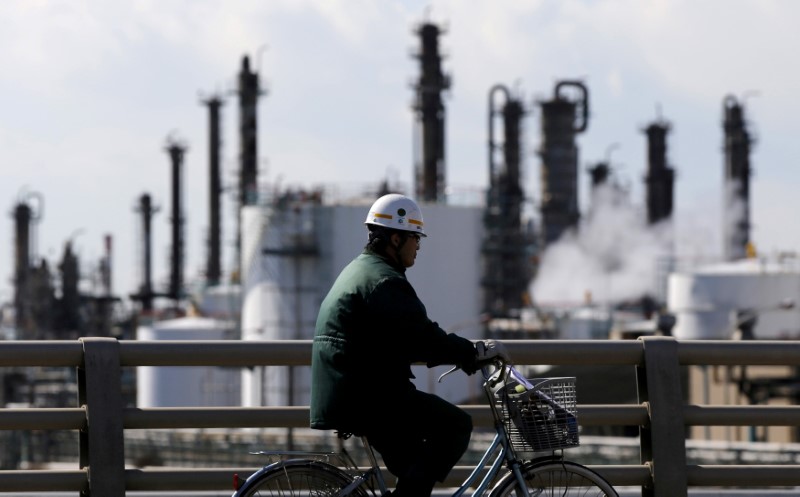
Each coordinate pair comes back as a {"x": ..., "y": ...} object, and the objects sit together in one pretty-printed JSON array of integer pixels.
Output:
[
  {"x": 663, "y": 442},
  {"x": 102, "y": 450}
]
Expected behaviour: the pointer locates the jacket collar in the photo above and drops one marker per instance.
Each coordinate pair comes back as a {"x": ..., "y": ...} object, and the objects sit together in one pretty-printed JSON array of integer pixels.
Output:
[{"x": 386, "y": 259}]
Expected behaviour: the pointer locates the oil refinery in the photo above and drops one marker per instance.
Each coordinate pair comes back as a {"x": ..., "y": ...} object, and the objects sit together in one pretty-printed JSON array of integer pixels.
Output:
[{"x": 502, "y": 262}]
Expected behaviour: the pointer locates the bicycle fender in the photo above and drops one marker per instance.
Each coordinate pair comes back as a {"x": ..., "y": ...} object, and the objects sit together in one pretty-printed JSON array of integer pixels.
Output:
[{"x": 270, "y": 468}]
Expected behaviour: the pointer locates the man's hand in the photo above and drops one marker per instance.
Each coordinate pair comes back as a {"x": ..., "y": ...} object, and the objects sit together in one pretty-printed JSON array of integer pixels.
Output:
[{"x": 490, "y": 349}]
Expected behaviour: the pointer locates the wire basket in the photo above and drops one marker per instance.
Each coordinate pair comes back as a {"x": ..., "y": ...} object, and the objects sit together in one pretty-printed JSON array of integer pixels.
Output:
[{"x": 543, "y": 418}]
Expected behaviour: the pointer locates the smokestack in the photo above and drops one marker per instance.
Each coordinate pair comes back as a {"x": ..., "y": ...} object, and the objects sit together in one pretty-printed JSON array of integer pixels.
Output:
[
  {"x": 24, "y": 217},
  {"x": 213, "y": 264},
  {"x": 106, "y": 266},
  {"x": 249, "y": 91},
  {"x": 176, "y": 152},
  {"x": 736, "y": 211},
  {"x": 660, "y": 177},
  {"x": 146, "y": 210},
  {"x": 22, "y": 263},
  {"x": 561, "y": 121},
  {"x": 429, "y": 150},
  {"x": 69, "y": 314},
  {"x": 506, "y": 274}
]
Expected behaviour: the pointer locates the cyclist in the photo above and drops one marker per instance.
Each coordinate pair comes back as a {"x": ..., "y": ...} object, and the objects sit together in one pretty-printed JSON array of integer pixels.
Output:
[{"x": 371, "y": 327}]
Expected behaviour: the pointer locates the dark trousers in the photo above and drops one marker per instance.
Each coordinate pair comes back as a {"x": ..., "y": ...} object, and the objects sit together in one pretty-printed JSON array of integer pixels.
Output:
[{"x": 421, "y": 441}]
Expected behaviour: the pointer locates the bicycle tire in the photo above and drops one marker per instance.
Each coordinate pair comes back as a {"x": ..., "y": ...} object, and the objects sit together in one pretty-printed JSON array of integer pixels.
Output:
[
  {"x": 556, "y": 478},
  {"x": 299, "y": 478}
]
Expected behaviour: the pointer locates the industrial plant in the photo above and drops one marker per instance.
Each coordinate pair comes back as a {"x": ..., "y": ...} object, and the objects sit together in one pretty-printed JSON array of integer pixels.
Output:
[{"x": 485, "y": 274}]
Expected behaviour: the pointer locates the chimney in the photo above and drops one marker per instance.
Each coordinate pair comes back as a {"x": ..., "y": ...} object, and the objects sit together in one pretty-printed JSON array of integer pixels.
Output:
[
  {"x": 429, "y": 139},
  {"x": 213, "y": 264},
  {"x": 176, "y": 151}
]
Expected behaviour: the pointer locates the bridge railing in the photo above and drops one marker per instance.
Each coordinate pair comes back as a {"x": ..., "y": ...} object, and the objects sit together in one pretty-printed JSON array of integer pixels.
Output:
[{"x": 661, "y": 413}]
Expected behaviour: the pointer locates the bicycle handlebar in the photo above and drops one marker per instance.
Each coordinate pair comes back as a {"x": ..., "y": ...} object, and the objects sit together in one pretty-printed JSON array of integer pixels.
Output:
[{"x": 493, "y": 370}]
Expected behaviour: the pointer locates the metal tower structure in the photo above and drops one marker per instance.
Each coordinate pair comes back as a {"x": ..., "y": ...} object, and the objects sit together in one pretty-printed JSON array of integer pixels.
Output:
[
  {"x": 213, "y": 263},
  {"x": 249, "y": 90},
  {"x": 25, "y": 215},
  {"x": 146, "y": 294},
  {"x": 737, "y": 180},
  {"x": 176, "y": 151},
  {"x": 429, "y": 141},
  {"x": 505, "y": 249},
  {"x": 660, "y": 177},
  {"x": 560, "y": 123}
]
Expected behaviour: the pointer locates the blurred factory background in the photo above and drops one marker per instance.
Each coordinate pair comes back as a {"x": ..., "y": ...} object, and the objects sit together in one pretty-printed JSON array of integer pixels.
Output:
[{"x": 507, "y": 262}]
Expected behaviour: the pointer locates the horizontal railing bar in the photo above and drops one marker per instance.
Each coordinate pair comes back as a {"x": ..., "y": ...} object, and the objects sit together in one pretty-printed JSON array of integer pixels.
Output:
[
  {"x": 216, "y": 417},
  {"x": 741, "y": 475},
  {"x": 297, "y": 416},
  {"x": 43, "y": 419},
  {"x": 576, "y": 352},
  {"x": 613, "y": 415},
  {"x": 177, "y": 479},
  {"x": 173, "y": 479},
  {"x": 624, "y": 475},
  {"x": 298, "y": 352},
  {"x": 215, "y": 353},
  {"x": 736, "y": 353},
  {"x": 43, "y": 481},
  {"x": 760, "y": 415},
  {"x": 19, "y": 353}
]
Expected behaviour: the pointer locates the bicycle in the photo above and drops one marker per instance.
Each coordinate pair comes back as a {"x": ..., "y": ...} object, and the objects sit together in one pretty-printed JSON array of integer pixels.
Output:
[{"x": 531, "y": 417}]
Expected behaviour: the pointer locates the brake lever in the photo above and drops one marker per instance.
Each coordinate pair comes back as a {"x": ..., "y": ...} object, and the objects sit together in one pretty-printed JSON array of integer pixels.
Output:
[{"x": 452, "y": 370}]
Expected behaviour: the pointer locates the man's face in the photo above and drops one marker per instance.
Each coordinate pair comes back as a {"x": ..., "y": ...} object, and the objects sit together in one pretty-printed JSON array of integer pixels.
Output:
[{"x": 407, "y": 252}]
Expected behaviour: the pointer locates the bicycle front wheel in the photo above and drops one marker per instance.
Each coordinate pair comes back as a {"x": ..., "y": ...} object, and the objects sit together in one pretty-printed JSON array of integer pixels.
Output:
[
  {"x": 555, "y": 478},
  {"x": 298, "y": 479}
]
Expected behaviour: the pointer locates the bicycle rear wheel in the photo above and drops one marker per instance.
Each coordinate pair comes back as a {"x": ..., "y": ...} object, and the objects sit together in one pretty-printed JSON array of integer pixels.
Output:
[
  {"x": 298, "y": 479},
  {"x": 555, "y": 478}
]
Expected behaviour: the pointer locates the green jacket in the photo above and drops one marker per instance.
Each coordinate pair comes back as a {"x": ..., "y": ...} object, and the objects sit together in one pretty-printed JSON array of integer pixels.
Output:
[{"x": 371, "y": 327}]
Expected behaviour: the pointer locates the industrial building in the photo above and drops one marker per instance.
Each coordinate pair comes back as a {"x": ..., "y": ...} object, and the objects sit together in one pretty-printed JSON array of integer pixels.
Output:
[{"x": 296, "y": 245}]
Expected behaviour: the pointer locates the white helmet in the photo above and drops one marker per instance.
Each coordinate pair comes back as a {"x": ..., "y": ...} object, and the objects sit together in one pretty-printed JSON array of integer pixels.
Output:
[{"x": 397, "y": 212}]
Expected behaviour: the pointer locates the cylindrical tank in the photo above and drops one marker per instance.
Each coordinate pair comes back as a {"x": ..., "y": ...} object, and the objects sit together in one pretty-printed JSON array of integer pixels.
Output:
[
  {"x": 709, "y": 302},
  {"x": 187, "y": 386}
]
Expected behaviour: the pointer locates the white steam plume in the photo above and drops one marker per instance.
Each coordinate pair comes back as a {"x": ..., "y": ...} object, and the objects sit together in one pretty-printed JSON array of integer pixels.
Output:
[{"x": 613, "y": 256}]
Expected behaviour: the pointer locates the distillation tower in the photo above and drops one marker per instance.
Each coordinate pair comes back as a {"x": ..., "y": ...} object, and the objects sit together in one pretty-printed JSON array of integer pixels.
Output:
[
  {"x": 736, "y": 210},
  {"x": 176, "y": 151},
  {"x": 660, "y": 177},
  {"x": 562, "y": 119},
  {"x": 429, "y": 140},
  {"x": 249, "y": 91},
  {"x": 25, "y": 215},
  {"x": 214, "y": 260},
  {"x": 506, "y": 273}
]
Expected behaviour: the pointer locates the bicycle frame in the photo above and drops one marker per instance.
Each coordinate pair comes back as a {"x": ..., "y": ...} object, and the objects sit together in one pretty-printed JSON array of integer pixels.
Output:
[{"x": 497, "y": 450}]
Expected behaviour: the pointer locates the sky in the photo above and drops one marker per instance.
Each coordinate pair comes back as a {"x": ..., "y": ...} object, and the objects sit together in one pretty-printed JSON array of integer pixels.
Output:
[{"x": 90, "y": 90}]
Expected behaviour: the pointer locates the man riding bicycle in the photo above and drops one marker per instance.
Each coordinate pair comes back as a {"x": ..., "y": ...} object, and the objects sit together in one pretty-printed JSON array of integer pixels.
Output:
[{"x": 370, "y": 329}]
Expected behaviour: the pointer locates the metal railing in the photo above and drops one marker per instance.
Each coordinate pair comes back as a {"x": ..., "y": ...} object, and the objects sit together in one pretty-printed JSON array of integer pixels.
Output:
[{"x": 661, "y": 413}]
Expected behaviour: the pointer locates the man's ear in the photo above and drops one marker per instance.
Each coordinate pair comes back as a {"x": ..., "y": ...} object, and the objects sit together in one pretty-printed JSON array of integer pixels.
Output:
[{"x": 394, "y": 238}]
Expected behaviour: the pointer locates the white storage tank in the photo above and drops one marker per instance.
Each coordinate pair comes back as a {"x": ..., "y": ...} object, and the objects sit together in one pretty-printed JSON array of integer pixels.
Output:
[
  {"x": 187, "y": 386},
  {"x": 709, "y": 301}
]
